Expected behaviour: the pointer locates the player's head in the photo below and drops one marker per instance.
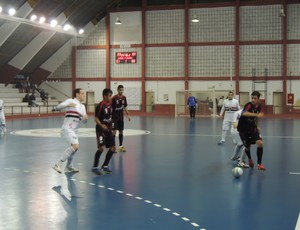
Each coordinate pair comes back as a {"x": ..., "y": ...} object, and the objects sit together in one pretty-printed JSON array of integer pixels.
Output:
[
  {"x": 107, "y": 93},
  {"x": 120, "y": 89},
  {"x": 230, "y": 95},
  {"x": 79, "y": 94},
  {"x": 255, "y": 95}
]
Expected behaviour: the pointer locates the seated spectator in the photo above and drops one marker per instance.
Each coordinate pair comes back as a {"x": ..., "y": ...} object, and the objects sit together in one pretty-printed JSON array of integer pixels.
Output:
[
  {"x": 26, "y": 98},
  {"x": 44, "y": 96},
  {"x": 32, "y": 100}
]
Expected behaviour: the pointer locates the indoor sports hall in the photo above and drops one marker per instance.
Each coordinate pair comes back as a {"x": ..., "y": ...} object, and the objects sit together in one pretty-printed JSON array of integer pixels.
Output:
[{"x": 175, "y": 172}]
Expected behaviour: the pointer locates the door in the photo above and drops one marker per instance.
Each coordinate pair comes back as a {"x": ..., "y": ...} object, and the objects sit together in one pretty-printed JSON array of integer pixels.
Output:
[
  {"x": 244, "y": 98},
  {"x": 277, "y": 102},
  {"x": 90, "y": 101},
  {"x": 149, "y": 101}
]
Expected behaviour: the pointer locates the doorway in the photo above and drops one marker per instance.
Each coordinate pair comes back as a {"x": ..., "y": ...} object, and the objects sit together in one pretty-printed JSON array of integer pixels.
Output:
[{"x": 277, "y": 102}]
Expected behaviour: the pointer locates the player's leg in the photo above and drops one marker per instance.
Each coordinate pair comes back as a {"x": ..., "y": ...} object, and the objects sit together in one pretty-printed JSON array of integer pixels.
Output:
[
  {"x": 247, "y": 144},
  {"x": 237, "y": 147},
  {"x": 72, "y": 140},
  {"x": 121, "y": 137},
  {"x": 259, "y": 152},
  {"x": 191, "y": 111},
  {"x": 225, "y": 127},
  {"x": 100, "y": 146},
  {"x": 109, "y": 143},
  {"x": 69, "y": 166}
]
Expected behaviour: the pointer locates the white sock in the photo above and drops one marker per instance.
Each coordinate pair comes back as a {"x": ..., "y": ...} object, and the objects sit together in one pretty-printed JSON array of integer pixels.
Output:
[
  {"x": 243, "y": 154},
  {"x": 70, "y": 159},
  {"x": 67, "y": 153},
  {"x": 236, "y": 151},
  {"x": 224, "y": 132}
]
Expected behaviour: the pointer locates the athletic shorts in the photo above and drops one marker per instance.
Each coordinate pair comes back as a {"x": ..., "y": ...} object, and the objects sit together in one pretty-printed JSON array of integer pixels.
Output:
[
  {"x": 227, "y": 125},
  {"x": 106, "y": 139},
  {"x": 249, "y": 138},
  {"x": 70, "y": 136},
  {"x": 119, "y": 125}
]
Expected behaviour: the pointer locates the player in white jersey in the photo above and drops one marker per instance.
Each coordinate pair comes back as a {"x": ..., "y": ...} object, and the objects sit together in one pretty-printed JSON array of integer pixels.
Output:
[
  {"x": 75, "y": 114},
  {"x": 2, "y": 119},
  {"x": 240, "y": 158},
  {"x": 230, "y": 106}
]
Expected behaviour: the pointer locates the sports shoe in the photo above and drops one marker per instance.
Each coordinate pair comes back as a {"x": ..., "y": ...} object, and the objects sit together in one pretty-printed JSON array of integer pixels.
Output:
[
  {"x": 261, "y": 167},
  {"x": 105, "y": 170},
  {"x": 97, "y": 171},
  {"x": 221, "y": 142},
  {"x": 71, "y": 169},
  {"x": 242, "y": 164},
  {"x": 57, "y": 168},
  {"x": 122, "y": 149},
  {"x": 235, "y": 158},
  {"x": 251, "y": 164}
]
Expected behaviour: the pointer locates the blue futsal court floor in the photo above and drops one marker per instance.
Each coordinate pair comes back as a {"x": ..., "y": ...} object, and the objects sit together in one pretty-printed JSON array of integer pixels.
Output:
[{"x": 173, "y": 177}]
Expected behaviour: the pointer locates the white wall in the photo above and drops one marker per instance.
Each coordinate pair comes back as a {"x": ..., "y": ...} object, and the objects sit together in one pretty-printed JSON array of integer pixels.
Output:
[
  {"x": 97, "y": 87},
  {"x": 163, "y": 88},
  {"x": 63, "y": 87}
]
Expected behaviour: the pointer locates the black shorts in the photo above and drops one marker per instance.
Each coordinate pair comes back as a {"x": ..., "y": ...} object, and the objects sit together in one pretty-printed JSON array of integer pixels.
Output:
[
  {"x": 249, "y": 138},
  {"x": 106, "y": 139},
  {"x": 119, "y": 125}
]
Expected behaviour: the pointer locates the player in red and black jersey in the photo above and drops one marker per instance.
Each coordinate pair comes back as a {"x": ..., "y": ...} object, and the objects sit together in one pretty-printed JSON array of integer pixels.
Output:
[
  {"x": 249, "y": 131},
  {"x": 104, "y": 132},
  {"x": 119, "y": 103}
]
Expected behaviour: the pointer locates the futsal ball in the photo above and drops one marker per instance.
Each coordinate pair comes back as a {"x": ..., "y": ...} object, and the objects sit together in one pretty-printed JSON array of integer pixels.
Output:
[{"x": 237, "y": 172}]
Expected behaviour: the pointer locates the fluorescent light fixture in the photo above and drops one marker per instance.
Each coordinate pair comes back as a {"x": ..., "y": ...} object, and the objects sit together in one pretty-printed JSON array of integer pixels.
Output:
[
  {"x": 42, "y": 20},
  {"x": 67, "y": 27},
  {"x": 33, "y": 17},
  {"x": 118, "y": 21},
  {"x": 1, "y": 9},
  {"x": 81, "y": 31},
  {"x": 53, "y": 23},
  {"x": 195, "y": 19},
  {"x": 11, "y": 11}
]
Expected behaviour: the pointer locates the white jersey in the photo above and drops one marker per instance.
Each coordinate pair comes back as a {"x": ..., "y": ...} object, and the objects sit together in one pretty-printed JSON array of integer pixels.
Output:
[
  {"x": 236, "y": 117},
  {"x": 229, "y": 107},
  {"x": 73, "y": 116},
  {"x": 2, "y": 114}
]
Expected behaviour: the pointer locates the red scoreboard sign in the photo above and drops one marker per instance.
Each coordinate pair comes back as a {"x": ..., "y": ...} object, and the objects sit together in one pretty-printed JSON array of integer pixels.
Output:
[{"x": 125, "y": 57}]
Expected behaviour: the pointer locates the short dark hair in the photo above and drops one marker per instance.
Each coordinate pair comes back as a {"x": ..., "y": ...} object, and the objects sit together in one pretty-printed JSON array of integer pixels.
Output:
[
  {"x": 120, "y": 87},
  {"x": 230, "y": 92},
  {"x": 106, "y": 91},
  {"x": 76, "y": 91},
  {"x": 256, "y": 93}
]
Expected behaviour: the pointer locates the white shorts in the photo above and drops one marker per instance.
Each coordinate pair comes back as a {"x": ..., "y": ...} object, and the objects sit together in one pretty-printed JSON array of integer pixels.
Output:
[
  {"x": 70, "y": 136},
  {"x": 227, "y": 125},
  {"x": 236, "y": 139}
]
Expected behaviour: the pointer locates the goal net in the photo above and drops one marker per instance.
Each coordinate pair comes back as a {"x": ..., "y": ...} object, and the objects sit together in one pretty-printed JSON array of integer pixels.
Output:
[{"x": 207, "y": 102}]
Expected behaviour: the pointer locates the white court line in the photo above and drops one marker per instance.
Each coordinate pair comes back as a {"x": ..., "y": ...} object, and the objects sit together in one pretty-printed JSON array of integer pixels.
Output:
[
  {"x": 216, "y": 135},
  {"x": 294, "y": 173},
  {"x": 298, "y": 223}
]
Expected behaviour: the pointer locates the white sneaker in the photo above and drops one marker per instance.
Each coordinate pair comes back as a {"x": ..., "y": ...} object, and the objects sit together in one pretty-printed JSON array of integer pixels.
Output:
[
  {"x": 57, "y": 168},
  {"x": 242, "y": 164},
  {"x": 221, "y": 142},
  {"x": 71, "y": 169}
]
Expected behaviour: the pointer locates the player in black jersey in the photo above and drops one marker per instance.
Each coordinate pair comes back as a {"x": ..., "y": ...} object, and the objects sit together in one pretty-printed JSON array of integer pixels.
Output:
[
  {"x": 249, "y": 131},
  {"x": 119, "y": 103},
  {"x": 104, "y": 132}
]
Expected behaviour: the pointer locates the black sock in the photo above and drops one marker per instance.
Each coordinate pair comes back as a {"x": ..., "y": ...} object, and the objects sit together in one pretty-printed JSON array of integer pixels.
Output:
[
  {"x": 97, "y": 157},
  {"x": 121, "y": 139},
  {"x": 259, "y": 154},
  {"x": 107, "y": 158},
  {"x": 247, "y": 151}
]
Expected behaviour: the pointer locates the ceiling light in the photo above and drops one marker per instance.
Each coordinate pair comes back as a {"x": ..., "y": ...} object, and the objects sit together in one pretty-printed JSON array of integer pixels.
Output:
[
  {"x": 53, "y": 23},
  {"x": 33, "y": 17},
  {"x": 11, "y": 11},
  {"x": 1, "y": 9},
  {"x": 118, "y": 21},
  {"x": 195, "y": 18},
  {"x": 42, "y": 20},
  {"x": 81, "y": 31},
  {"x": 67, "y": 27}
]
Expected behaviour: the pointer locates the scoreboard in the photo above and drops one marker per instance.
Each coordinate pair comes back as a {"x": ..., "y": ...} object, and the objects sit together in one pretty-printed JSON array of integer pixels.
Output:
[{"x": 125, "y": 57}]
